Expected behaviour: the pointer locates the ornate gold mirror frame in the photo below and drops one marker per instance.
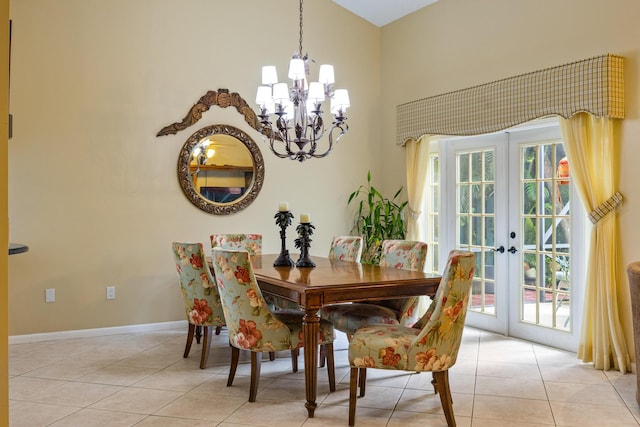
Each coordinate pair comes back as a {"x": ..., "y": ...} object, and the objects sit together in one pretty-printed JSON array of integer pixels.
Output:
[{"x": 188, "y": 170}]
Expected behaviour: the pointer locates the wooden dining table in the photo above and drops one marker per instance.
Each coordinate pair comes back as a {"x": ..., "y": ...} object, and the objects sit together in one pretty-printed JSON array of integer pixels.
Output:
[{"x": 332, "y": 282}]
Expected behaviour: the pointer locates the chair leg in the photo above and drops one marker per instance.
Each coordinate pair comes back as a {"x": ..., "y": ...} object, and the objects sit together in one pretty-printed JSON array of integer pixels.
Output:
[
  {"x": 294, "y": 359},
  {"x": 442, "y": 384},
  {"x": 363, "y": 380},
  {"x": 187, "y": 347},
  {"x": 272, "y": 356},
  {"x": 218, "y": 330},
  {"x": 353, "y": 387},
  {"x": 323, "y": 356},
  {"x": 206, "y": 346},
  {"x": 256, "y": 360},
  {"x": 198, "y": 333},
  {"x": 433, "y": 383},
  {"x": 331, "y": 367},
  {"x": 235, "y": 357}
]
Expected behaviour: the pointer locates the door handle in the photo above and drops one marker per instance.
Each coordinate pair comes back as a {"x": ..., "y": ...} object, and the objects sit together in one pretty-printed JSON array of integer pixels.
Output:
[
  {"x": 513, "y": 250},
  {"x": 500, "y": 249}
]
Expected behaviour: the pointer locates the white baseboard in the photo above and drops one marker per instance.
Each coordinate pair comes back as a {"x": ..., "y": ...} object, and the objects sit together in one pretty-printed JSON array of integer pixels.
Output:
[{"x": 86, "y": 333}]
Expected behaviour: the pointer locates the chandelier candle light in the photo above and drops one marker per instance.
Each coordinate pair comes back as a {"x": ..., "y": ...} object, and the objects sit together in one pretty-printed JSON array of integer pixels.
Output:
[{"x": 299, "y": 108}]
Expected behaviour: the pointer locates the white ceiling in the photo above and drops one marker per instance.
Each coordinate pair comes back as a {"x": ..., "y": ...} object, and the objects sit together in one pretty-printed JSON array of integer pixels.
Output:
[{"x": 381, "y": 12}]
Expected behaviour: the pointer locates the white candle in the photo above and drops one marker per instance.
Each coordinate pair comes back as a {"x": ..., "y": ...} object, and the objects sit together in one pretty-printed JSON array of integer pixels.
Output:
[
  {"x": 305, "y": 218},
  {"x": 284, "y": 207}
]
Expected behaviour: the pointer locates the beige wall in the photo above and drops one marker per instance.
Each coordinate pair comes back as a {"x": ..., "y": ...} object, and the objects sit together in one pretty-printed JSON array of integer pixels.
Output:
[
  {"x": 454, "y": 44},
  {"x": 94, "y": 193}
]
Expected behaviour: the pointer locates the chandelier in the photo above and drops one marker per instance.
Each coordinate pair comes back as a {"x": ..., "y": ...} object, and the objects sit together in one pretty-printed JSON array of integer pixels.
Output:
[
  {"x": 201, "y": 154},
  {"x": 298, "y": 110}
]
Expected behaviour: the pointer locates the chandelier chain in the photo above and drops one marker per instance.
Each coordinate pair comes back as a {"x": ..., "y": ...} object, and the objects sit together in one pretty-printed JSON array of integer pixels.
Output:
[{"x": 300, "y": 52}]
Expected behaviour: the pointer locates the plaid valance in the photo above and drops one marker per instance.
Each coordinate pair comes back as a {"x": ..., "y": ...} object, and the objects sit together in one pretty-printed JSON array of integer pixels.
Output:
[{"x": 593, "y": 85}]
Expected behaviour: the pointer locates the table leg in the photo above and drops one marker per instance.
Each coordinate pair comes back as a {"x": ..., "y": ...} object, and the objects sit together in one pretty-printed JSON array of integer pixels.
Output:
[{"x": 310, "y": 328}]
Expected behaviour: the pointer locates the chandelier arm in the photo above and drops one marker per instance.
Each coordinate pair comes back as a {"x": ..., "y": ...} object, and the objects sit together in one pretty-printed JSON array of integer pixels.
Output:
[
  {"x": 272, "y": 139},
  {"x": 317, "y": 132},
  {"x": 283, "y": 133},
  {"x": 344, "y": 128},
  {"x": 279, "y": 154},
  {"x": 286, "y": 146}
]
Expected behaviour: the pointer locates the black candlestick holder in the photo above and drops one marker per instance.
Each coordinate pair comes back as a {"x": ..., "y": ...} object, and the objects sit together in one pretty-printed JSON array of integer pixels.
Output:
[
  {"x": 305, "y": 230},
  {"x": 283, "y": 220}
]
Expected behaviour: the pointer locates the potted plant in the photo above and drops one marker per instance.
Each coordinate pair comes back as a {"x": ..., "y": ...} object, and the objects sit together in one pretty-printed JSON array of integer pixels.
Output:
[{"x": 376, "y": 218}]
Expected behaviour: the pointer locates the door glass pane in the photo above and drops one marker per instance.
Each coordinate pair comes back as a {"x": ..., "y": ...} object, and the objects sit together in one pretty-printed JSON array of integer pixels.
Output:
[
  {"x": 545, "y": 288},
  {"x": 476, "y": 166},
  {"x": 477, "y": 232},
  {"x": 463, "y": 168},
  {"x": 475, "y": 222},
  {"x": 463, "y": 198},
  {"x": 489, "y": 193},
  {"x": 477, "y": 198},
  {"x": 463, "y": 230},
  {"x": 529, "y": 197},
  {"x": 489, "y": 231},
  {"x": 528, "y": 163},
  {"x": 548, "y": 156},
  {"x": 489, "y": 170}
]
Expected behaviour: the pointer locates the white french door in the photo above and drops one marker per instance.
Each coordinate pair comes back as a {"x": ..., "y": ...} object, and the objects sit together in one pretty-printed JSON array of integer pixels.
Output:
[{"x": 507, "y": 197}]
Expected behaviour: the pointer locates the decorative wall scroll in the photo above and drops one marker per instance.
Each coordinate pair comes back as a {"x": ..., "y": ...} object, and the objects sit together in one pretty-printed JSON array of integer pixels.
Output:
[{"x": 223, "y": 99}]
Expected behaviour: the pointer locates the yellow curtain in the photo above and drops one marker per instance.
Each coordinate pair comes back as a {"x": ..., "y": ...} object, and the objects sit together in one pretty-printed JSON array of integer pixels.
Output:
[
  {"x": 592, "y": 147},
  {"x": 417, "y": 155}
]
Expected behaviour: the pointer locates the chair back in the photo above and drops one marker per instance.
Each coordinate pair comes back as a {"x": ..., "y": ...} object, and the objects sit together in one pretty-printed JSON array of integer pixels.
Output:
[
  {"x": 346, "y": 248},
  {"x": 404, "y": 254},
  {"x": 436, "y": 346},
  {"x": 252, "y": 326},
  {"x": 201, "y": 299},
  {"x": 251, "y": 243}
]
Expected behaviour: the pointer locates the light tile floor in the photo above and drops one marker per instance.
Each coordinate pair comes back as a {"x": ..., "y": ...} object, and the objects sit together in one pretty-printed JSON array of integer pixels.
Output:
[{"x": 142, "y": 380}]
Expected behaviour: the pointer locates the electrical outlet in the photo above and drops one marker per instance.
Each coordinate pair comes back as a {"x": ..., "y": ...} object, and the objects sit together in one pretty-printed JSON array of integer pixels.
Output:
[
  {"x": 49, "y": 295},
  {"x": 111, "y": 292}
]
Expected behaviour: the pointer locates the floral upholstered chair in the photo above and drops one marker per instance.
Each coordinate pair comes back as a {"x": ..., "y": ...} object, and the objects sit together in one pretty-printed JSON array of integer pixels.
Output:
[
  {"x": 201, "y": 299},
  {"x": 401, "y": 254},
  {"x": 405, "y": 255},
  {"x": 252, "y": 325},
  {"x": 431, "y": 345},
  {"x": 346, "y": 248},
  {"x": 251, "y": 243}
]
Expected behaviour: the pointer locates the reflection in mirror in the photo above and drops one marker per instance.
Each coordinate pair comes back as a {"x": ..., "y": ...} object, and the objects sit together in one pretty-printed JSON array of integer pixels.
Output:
[{"x": 220, "y": 169}]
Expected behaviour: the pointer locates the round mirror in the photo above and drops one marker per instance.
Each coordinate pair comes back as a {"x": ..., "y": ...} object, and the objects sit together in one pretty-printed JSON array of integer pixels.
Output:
[{"x": 220, "y": 169}]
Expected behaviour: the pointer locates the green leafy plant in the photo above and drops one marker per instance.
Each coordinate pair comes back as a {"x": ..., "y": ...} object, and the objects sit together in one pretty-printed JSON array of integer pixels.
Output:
[{"x": 377, "y": 218}]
